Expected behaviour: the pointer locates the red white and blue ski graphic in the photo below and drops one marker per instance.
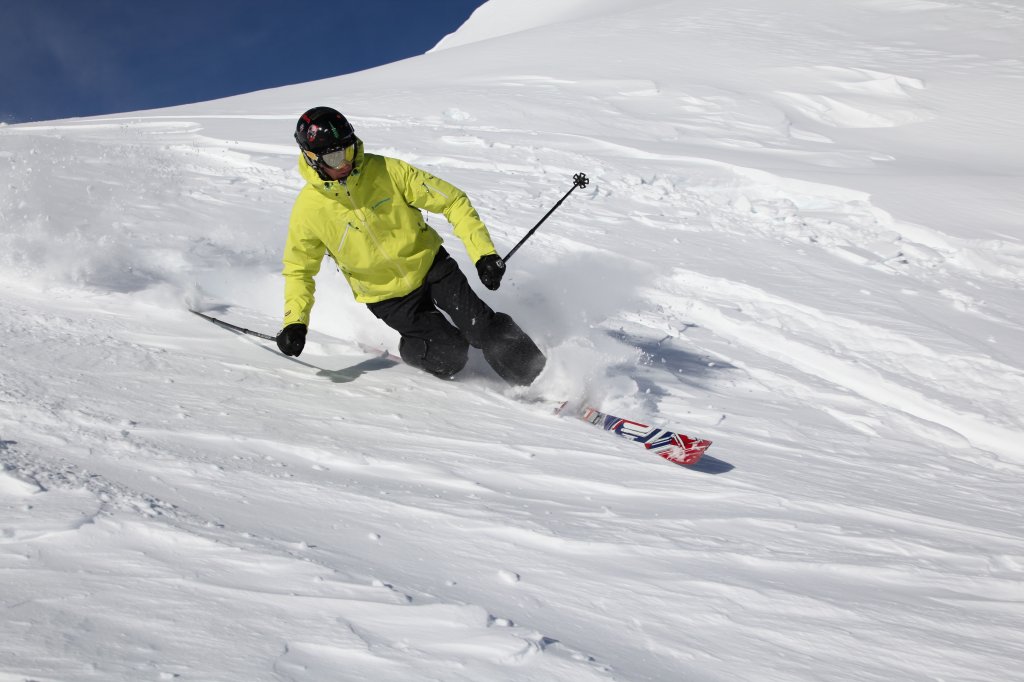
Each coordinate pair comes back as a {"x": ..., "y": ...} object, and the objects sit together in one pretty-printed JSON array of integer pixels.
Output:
[{"x": 675, "y": 447}]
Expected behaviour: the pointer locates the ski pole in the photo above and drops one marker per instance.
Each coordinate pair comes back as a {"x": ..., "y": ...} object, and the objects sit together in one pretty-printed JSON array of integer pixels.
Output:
[
  {"x": 228, "y": 325},
  {"x": 578, "y": 180}
]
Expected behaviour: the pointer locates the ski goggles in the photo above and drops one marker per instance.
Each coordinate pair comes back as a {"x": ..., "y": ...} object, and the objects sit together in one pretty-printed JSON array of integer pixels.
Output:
[{"x": 336, "y": 158}]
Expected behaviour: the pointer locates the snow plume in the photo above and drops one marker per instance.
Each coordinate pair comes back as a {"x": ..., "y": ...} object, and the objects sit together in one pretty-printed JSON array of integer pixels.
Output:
[
  {"x": 802, "y": 240},
  {"x": 570, "y": 303},
  {"x": 131, "y": 205}
]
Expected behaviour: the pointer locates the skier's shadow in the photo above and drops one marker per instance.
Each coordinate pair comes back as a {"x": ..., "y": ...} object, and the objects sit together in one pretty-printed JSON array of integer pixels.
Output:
[{"x": 347, "y": 374}]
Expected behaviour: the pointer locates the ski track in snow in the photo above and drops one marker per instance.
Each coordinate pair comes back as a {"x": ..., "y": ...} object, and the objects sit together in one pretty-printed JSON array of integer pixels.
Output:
[{"x": 180, "y": 502}]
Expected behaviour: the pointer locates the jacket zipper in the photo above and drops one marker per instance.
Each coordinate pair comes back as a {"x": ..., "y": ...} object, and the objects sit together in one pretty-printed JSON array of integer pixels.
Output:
[
  {"x": 341, "y": 244},
  {"x": 338, "y": 255},
  {"x": 402, "y": 274},
  {"x": 431, "y": 188}
]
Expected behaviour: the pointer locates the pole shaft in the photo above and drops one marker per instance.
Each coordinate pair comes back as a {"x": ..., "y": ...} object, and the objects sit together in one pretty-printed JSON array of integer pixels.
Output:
[
  {"x": 579, "y": 180},
  {"x": 233, "y": 327}
]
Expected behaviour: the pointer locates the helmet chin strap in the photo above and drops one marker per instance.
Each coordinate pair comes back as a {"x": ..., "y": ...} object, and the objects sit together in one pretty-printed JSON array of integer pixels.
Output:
[{"x": 320, "y": 171}]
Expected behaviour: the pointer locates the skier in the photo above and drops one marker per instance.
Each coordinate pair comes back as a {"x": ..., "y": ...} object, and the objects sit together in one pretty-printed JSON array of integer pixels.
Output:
[{"x": 363, "y": 210}]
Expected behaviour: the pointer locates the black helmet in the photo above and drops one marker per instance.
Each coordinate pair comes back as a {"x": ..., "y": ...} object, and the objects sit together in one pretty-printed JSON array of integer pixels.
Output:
[{"x": 323, "y": 129}]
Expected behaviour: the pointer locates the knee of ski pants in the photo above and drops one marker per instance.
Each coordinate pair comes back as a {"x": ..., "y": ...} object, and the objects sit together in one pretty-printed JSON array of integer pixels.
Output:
[
  {"x": 511, "y": 352},
  {"x": 442, "y": 358}
]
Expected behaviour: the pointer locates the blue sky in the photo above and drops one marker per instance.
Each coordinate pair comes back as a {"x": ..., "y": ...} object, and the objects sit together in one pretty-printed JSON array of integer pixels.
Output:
[{"x": 62, "y": 58}]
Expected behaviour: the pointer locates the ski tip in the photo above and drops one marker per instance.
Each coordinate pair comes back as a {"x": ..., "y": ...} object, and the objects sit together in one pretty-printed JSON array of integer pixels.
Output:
[{"x": 686, "y": 452}]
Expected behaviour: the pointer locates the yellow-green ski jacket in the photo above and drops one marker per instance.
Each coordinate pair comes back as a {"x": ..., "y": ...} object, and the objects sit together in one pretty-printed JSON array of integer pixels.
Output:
[{"x": 371, "y": 226}]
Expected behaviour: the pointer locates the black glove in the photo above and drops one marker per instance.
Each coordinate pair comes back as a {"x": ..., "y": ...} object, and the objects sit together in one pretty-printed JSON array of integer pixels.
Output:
[
  {"x": 491, "y": 268},
  {"x": 292, "y": 339}
]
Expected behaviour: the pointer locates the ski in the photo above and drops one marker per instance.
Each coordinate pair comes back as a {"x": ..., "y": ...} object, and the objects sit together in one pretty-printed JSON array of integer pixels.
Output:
[{"x": 675, "y": 447}]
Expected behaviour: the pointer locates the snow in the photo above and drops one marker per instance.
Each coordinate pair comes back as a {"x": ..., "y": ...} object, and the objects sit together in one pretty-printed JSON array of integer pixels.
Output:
[{"x": 802, "y": 240}]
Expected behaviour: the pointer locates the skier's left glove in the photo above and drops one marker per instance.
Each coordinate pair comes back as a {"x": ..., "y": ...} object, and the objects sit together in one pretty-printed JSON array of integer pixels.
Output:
[
  {"x": 491, "y": 269},
  {"x": 292, "y": 339}
]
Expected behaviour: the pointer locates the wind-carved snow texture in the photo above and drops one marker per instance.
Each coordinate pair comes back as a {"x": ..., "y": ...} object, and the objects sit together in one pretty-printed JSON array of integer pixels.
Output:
[{"x": 801, "y": 240}]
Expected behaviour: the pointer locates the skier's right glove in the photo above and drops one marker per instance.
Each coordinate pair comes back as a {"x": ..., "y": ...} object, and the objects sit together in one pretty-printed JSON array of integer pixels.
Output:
[
  {"x": 292, "y": 339},
  {"x": 491, "y": 268}
]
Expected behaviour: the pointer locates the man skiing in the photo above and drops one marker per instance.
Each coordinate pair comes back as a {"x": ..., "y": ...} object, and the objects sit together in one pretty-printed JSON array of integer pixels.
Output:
[{"x": 364, "y": 211}]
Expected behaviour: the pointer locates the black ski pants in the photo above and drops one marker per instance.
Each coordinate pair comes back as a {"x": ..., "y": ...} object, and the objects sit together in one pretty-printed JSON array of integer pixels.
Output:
[{"x": 432, "y": 343}]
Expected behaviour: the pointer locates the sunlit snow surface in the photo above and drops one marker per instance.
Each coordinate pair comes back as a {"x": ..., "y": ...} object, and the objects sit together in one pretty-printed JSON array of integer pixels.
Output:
[{"x": 802, "y": 240}]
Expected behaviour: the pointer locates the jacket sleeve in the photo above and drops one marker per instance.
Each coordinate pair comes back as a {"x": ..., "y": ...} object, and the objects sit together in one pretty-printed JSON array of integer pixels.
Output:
[
  {"x": 303, "y": 254},
  {"x": 430, "y": 193}
]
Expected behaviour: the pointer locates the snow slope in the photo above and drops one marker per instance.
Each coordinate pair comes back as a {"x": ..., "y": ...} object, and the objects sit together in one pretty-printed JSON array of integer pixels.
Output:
[{"x": 802, "y": 240}]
